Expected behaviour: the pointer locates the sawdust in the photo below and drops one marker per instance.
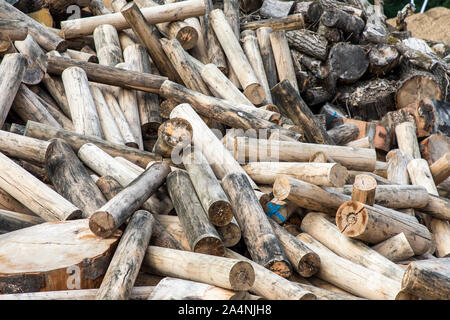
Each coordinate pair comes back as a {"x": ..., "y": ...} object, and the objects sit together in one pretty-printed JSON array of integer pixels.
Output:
[{"x": 433, "y": 25}]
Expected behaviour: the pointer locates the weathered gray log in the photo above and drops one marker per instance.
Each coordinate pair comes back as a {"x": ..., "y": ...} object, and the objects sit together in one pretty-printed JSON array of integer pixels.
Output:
[{"x": 308, "y": 42}]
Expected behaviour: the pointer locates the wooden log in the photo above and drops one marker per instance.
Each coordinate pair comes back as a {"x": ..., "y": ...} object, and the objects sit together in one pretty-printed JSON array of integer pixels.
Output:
[
  {"x": 34, "y": 194},
  {"x": 396, "y": 248},
  {"x": 428, "y": 279},
  {"x": 202, "y": 236},
  {"x": 291, "y": 22},
  {"x": 82, "y": 106},
  {"x": 397, "y": 170},
  {"x": 126, "y": 262},
  {"x": 71, "y": 178},
  {"x": 231, "y": 12},
  {"x": 351, "y": 25},
  {"x": 364, "y": 189},
  {"x": 11, "y": 221},
  {"x": 110, "y": 216},
  {"x": 12, "y": 30},
  {"x": 107, "y": 45},
  {"x": 300, "y": 113},
  {"x": 267, "y": 55},
  {"x": 316, "y": 225},
  {"x": 227, "y": 273},
  {"x": 258, "y": 235},
  {"x": 136, "y": 56},
  {"x": 47, "y": 39},
  {"x": 150, "y": 38},
  {"x": 283, "y": 58},
  {"x": 19, "y": 146},
  {"x": 440, "y": 169},
  {"x": 276, "y": 9},
  {"x": 344, "y": 134},
  {"x": 322, "y": 174},
  {"x": 236, "y": 56},
  {"x": 83, "y": 56},
  {"x": 310, "y": 10},
  {"x": 55, "y": 259},
  {"x": 137, "y": 293},
  {"x": 37, "y": 60},
  {"x": 407, "y": 139},
  {"x": 360, "y": 143},
  {"x": 211, "y": 195},
  {"x": 7, "y": 202},
  {"x": 13, "y": 69},
  {"x": 252, "y": 51},
  {"x": 308, "y": 42},
  {"x": 350, "y": 276},
  {"x": 374, "y": 225},
  {"x": 285, "y": 151},
  {"x": 55, "y": 87},
  {"x": 108, "y": 75},
  {"x": 108, "y": 186}
]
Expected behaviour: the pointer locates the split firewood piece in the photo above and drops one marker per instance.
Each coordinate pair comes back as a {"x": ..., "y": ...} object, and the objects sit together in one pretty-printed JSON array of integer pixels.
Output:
[
  {"x": 297, "y": 110},
  {"x": 376, "y": 224},
  {"x": 179, "y": 289},
  {"x": 316, "y": 225},
  {"x": 236, "y": 56},
  {"x": 351, "y": 25},
  {"x": 34, "y": 194},
  {"x": 305, "y": 261},
  {"x": 121, "y": 121},
  {"x": 226, "y": 273},
  {"x": 267, "y": 55},
  {"x": 397, "y": 170},
  {"x": 440, "y": 169},
  {"x": 416, "y": 87},
  {"x": 46, "y": 38},
  {"x": 209, "y": 191},
  {"x": 291, "y": 22},
  {"x": 165, "y": 13},
  {"x": 221, "y": 86},
  {"x": 252, "y": 51},
  {"x": 344, "y": 134},
  {"x": 364, "y": 189},
  {"x": 283, "y": 58},
  {"x": 82, "y": 106},
  {"x": 108, "y": 75},
  {"x": 107, "y": 45},
  {"x": 129, "y": 105},
  {"x": 12, "y": 69},
  {"x": 109, "y": 125},
  {"x": 52, "y": 256},
  {"x": 76, "y": 141},
  {"x": 37, "y": 60},
  {"x": 246, "y": 148},
  {"x": 321, "y": 174},
  {"x": 150, "y": 38},
  {"x": 382, "y": 59},
  {"x": 276, "y": 9},
  {"x": 351, "y": 276},
  {"x": 83, "y": 56},
  {"x": 396, "y": 248},
  {"x": 261, "y": 242},
  {"x": 308, "y": 42},
  {"x": 397, "y": 196},
  {"x": 28, "y": 107},
  {"x": 137, "y": 57},
  {"x": 202, "y": 236},
  {"x": 22, "y": 147},
  {"x": 273, "y": 287},
  {"x": 104, "y": 164},
  {"x": 137, "y": 293},
  {"x": 55, "y": 87},
  {"x": 127, "y": 259},
  {"x": 71, "y": 179},
  {"x": 173, "y": 136},
  {"x": 428, "y": 279},
  {"x": 11, "y": 221},
  {"x": 420, "y": 174},
  {"x": 12, "y": 30},
  {"x": 407, "y": 139},
  {"x": 110, "y": 216}
]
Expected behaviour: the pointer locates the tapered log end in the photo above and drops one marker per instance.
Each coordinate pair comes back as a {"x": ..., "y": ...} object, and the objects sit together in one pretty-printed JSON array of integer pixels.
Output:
[
  {"x": 211, "y": 246},
  {"x": 309, "y": 264},
  {"x": 102, "y": 224},
  {"x": 220, "y": 213},
  {"x": 242, "y": 276},
  {"x": 188, "y": 37},
  {"x": 230, "y": 234},
  {"x": 338, "y": 175},
  {"x": 281, "y": 268},
  {"x": 281, "y": 187},
  {"x": 255, "y": 93},
  {"x": 352, "y": 218}
]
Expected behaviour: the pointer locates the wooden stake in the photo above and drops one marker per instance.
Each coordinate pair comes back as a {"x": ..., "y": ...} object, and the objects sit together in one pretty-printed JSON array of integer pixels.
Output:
[
  {"x": 364, "y": 189},
  {"x": 126, "y": 262},
  {"x": 55, "y": 87},
  {"x": 396, "y": 248},
  {"x": 37, "y": 60},
  {"x": 397, "y": 170}
]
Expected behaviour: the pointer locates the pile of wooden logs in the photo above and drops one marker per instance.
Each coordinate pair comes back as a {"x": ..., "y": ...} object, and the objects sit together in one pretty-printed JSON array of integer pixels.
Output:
[{"x": 232, "y": 150}]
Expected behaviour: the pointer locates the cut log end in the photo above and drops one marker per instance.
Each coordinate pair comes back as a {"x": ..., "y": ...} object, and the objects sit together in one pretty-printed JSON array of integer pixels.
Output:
[
  {"x": 188, "y": 37},
  {"x": 281, "y": 187},
  {"x": 281, "y": 268},
  {"x": 351, "y": 218},
  {"x": 255, "y": 93},
  {"x": 338, "y": 175},
  {"x": 230, "y": 234},
  {"x": 417, "y": 88},
  {"x": 220, "y": 213},
  {"x": 102, "y": 224},
  {"x": 211, "y": 246},
  {"x": 309, "y": 264},
  {"x": 242, "y": 276}
]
